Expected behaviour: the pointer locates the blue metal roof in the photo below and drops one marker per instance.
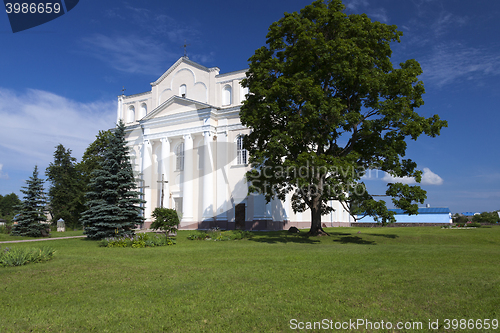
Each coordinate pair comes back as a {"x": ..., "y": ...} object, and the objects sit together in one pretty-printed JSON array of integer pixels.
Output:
[{"x": 469, "y": 213}]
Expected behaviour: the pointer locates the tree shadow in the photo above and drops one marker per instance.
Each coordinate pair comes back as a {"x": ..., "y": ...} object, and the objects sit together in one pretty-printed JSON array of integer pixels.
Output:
[
  {"x": 386, "y": 236},
  {"x": 339, "y": 234},
  {"x": 283, "y": 237},
  {"x": 350, "y": 239}
]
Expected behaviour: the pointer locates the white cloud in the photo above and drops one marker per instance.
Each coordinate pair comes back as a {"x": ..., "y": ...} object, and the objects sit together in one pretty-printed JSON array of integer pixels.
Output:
[
  {"x": 428, "y": 178},
  {"x": 355, "y": 4},
  {"x": 452, "y": 62},
  {"x": 36, "y": 121},
  {"x": 151, "y": 40},
  {"x": 379, "y": 14},
  {"x": 132, "y": 54},
  {"x": 405, "y": 180},
  {"x": 447, "y": 22},
  {"x": 2, "y": 174}
]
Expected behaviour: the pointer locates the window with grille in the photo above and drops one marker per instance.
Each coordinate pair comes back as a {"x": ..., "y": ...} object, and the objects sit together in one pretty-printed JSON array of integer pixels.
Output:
[{"x": 241, "y": 152}]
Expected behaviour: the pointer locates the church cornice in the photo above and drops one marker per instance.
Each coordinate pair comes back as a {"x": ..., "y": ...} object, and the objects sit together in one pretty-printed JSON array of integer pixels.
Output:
[
  {"x": 179, "y": 118},
  {"x": 242, "y": 71},
  {"x": 177, "y": 64},
  {"x": 176, "y": 99},
  {"x": 136, "y": 95},
  {"x": 182, "y": 132}
]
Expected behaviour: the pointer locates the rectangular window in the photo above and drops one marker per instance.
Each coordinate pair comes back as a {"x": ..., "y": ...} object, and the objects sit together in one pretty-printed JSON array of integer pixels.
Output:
[
  {"x": 179, "y": 157},
  {"x": 241, "y": 153}
]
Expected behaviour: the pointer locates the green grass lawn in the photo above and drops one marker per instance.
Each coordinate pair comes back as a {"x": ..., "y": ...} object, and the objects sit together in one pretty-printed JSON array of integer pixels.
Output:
[
  {"x": 53, "y": 234},
  {"x": 390, "y": 274}
]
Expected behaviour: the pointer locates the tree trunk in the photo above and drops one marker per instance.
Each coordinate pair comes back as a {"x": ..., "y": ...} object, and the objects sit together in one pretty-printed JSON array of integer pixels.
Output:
[{"x": 316, "y": 228}]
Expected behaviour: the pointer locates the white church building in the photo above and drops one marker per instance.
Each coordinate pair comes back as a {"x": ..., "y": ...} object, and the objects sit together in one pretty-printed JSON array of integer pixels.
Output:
[{"x": 185, "y": 138}]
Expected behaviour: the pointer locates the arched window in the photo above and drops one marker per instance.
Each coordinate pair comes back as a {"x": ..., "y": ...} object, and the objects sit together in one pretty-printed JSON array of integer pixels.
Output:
[
  {"x": 179, "y": 157},
  {"x": 183, "y": 91},
  {"x": 226, "y": 95},
  {"x": 241, "y": 153},
  {"x": 144, "y": 110},
  {"x": 131, "y": 114}
]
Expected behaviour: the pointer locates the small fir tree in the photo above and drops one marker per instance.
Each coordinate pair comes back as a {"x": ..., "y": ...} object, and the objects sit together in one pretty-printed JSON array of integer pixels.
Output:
[
  {"x": 113, "y": 205},
  {"x": 31, "y": 210},
  {"x": 166, "y": 219}
]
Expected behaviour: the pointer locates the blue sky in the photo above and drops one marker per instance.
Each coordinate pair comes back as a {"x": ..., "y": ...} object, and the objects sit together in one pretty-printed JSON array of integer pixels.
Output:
[{"x": 59, "y": 82}]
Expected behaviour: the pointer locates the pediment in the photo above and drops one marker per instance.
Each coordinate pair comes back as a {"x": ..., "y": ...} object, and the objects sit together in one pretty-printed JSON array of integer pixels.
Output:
[
  {"x": 176, "y": 105},
  {"x": 181, "y": 61}
]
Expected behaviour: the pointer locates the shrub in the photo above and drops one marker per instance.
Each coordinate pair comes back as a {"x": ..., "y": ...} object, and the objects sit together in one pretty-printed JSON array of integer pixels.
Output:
[
  {"x": 217, "y": 235},
  {"x": 23, "y": 256},
  {"x": 166, "y": 219},
  {"x": 137, "y": 241}
]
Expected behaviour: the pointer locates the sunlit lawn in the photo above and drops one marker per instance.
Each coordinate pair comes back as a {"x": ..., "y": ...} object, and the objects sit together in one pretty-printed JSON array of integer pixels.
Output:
[
  {"x": 390, "y": 274},
  {"x": 53, "y": 234}
]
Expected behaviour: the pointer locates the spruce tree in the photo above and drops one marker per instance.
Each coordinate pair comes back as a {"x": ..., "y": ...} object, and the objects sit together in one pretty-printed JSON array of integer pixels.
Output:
[
  {"x": 113, "y": 205},
  {"x": 31, "y": 210}
]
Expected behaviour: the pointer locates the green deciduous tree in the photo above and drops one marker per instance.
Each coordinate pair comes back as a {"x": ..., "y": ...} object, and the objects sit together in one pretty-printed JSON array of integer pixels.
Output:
[
  {"x": 486, "y": 217},
  {"x": 31, "y": 211},
  {"x": 325, "y": 104},
  {"x": 8, "y": 204},
  {"x": 113, "y": 205},
  {"x": 65, "y": 190}
]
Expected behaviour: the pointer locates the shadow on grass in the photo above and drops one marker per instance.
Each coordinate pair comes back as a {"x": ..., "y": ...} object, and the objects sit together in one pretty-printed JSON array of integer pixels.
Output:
[
  {"x": 351, "y": 239},
  {"x": 275, "y": 237},
  {"x": 382, "y": 235},
  {"x": 339, "y": 234}
]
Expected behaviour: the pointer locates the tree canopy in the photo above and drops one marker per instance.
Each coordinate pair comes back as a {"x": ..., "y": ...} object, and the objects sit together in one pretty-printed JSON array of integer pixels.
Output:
[
  {"x": 66, "y": 187},
  {"x": 8, "y": 204},
  {"x": 326, "y": 100},
  {"x": 113, "y": 205}
]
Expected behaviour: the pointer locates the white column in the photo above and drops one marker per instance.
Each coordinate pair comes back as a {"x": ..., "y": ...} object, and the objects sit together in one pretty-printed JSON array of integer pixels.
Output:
[
  {"x": 223, "y": 204},
  {"x": 147, "y": 171},
  {"x": 188, "y": 195},
  {"x": 120, "y": 109},
  {"x": 165, "y": 170},
  {"x": 208, "y": 178}
]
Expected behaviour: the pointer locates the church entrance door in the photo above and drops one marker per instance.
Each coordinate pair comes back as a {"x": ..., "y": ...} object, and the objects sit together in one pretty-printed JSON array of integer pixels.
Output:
[{"x": 239, "y": 216}]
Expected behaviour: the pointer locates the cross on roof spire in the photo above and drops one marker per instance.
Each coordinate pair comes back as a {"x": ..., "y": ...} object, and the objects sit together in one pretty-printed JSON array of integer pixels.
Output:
[{"x": 185, "y": 48}]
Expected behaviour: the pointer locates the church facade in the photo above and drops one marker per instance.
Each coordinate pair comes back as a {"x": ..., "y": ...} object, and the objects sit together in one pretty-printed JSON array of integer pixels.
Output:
[{"x": 186, "y": 146}]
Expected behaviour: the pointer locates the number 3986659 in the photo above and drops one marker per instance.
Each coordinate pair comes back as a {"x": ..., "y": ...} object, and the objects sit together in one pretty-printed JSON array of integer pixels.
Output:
[{"x": 32, "y": 8}]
